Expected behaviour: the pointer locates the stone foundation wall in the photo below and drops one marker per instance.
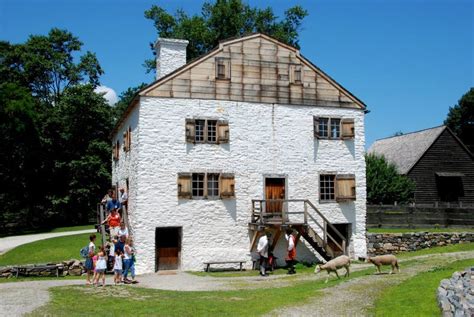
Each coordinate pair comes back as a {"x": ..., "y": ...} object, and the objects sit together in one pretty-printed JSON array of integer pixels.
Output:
[
  {"x": 383, "y": 243},
  {"x": 65, "y": 268},
  {"x": 456, "y": 295}
]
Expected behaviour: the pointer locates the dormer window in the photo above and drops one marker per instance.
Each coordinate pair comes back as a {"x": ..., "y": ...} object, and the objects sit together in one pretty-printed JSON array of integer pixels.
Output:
[{"x": 222, "y": 68}]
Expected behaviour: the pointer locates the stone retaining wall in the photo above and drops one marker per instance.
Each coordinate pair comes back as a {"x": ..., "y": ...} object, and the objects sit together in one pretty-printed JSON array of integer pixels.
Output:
[
  {"x": 71, "y": 267},
  {"x": 383, "y": 243},
  {"x": 456, "y": 295}
]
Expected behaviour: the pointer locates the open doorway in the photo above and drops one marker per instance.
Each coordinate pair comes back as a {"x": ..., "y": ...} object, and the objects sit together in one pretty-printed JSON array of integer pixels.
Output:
[
  {"x": 274, "y": 189},
  {"x": 167, "y": 248},
  {"x": 345, "y": 230}
]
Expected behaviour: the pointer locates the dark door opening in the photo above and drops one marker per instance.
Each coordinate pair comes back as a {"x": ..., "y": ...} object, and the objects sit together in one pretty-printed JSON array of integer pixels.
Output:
[
  {"x": 274, "y": 189},
  {"x": 168, "y": 248},
  {"x": 450, "y": 188},
  {"x": 345, "y": 230}
]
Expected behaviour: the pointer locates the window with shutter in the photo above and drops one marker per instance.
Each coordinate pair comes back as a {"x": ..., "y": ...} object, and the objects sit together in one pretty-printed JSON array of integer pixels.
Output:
[
  {"x": 190, "y": 131},
  {"x": 184, "y": 185},
  {"x": 223, "y": 132},
  {"x": 129, "y": 138},
  {"x": 347, "y": 128},
  {"x": 116, "y": 150},
  {"x": 211, "y": 128},
  {"x": 295, "y": 74},
  {"x": 227, "y": 185},
  {"x": 345, "y": 187},
  {"x": 125, "y": 141},
  {"x": 222, "y": 68}
]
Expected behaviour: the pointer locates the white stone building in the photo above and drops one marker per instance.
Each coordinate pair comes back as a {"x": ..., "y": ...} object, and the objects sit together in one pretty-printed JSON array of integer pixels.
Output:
[{"x": 251, "y": 120}]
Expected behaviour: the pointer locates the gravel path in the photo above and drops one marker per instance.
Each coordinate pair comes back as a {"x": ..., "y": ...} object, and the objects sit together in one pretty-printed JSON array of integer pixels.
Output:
[
  {"x": 14, "y": 241},
  {"x": 357, "y": 296},
  {"x": 353, "y": 297}
]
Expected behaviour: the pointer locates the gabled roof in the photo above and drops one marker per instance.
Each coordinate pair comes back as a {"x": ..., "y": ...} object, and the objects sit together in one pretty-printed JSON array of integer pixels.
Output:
[
  {"x": 404, "y": 151},
  {"x": 218, "y": 49}
]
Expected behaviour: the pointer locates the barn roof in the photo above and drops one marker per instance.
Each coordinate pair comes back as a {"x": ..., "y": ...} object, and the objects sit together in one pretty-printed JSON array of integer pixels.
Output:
[{"x": 404, "y": 151}]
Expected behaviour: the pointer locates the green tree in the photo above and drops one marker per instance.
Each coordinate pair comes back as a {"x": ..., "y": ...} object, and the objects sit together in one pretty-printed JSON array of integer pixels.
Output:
[
  {"x": 384, "y": 184},
  {"x": 46, "y": 64},
  {"x": 221, "y": 20},
  {"x": 460, "y": 119},
  {"x": 78, "y": 126},
  {"x": 19, "y": 164},
  {"x": 124, "y": 100}
]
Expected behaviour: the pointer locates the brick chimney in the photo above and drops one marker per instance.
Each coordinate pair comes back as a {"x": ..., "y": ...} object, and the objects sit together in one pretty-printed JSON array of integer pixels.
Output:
[{"x": 170, "y": 55}]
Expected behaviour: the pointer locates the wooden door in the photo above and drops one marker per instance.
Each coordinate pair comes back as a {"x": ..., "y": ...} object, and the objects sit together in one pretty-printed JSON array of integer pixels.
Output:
[
  {"x": 274, "y": 189},
  {"x": 168, "y": 248}
]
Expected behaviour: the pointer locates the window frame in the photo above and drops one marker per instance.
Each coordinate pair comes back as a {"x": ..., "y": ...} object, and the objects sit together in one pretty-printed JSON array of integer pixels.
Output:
[
  {"x": 225, "y": 63},
  {"x": 206, "y": 130},
  {"x": 329, "y": 128},
  {"x": 333, "y": 181}
]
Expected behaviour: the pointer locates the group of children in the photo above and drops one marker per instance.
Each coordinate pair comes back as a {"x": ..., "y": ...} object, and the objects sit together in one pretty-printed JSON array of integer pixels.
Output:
[{"x": 118, "y": 254}]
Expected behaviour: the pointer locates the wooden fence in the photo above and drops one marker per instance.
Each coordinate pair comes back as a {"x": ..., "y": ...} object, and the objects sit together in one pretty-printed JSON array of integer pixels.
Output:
[{"x": 419, "y": 217}]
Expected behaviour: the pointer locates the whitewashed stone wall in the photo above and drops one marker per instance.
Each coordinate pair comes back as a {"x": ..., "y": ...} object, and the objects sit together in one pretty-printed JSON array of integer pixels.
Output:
[
  {"x": 127, "y": 165},
  {"x": 265, "y": 140}
]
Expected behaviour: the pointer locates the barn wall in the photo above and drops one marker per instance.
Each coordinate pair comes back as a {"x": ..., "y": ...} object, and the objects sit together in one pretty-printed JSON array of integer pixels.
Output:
[
  {"x": 265, "y": 139},
  {"x": 445, "y": 155}
]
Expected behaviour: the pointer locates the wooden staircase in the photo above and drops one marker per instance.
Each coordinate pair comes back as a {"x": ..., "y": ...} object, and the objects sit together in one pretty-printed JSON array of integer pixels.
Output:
[{"x": 310, "y": 224}]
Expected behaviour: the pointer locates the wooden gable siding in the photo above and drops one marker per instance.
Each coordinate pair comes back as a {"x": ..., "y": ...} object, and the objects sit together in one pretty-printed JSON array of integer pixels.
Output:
[
  {"x": 260, "y": 72},
  {"x": 445, "y": 155}
]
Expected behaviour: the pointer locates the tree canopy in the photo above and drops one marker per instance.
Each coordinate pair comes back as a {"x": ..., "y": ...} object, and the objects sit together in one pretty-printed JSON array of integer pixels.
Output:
[
  {"x": 384, "y": 184},
  {"x": 221, "y": 20},
  {"x": 55, "y": 162},
  {"x": 460, "y": 119}
]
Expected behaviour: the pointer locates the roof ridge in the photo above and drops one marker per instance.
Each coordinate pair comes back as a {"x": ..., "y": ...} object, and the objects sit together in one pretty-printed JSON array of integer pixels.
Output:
[{"x": 408, "y": 133}]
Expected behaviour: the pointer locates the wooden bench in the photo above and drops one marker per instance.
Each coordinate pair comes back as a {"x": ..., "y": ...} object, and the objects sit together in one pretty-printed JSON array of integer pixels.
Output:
[
  {"x": 208, "y": 264},
  {"x": 25, "y": 270}
]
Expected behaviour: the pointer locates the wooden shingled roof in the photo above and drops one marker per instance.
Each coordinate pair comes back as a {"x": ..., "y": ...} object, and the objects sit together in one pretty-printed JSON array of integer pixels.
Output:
[{"x": 404, "y": 151}]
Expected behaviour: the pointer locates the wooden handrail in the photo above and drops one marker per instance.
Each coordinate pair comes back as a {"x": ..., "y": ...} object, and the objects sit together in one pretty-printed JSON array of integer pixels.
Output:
[{"x": 258, "y": 217}]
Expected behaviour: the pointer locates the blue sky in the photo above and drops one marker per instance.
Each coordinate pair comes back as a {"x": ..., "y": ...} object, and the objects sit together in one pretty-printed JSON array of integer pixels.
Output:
[{"x": 409, "y": 61}]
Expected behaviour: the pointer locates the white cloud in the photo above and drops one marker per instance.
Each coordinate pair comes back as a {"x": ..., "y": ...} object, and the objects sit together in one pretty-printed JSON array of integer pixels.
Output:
[{"x": 109, "y": 94}]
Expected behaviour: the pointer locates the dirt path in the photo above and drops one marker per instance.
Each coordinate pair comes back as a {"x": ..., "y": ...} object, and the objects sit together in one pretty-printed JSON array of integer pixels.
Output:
[
  {"x": 8, "y": 243},
  {"x": 349, "y": 298},
  {"x": 357, "y": 296}
]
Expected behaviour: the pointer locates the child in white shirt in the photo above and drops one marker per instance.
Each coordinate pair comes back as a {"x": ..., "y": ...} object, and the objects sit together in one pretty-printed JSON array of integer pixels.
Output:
[{"x": 118, "y": 266}]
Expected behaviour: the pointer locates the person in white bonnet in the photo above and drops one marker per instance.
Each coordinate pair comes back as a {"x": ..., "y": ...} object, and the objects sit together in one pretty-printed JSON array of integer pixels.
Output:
[{"x": 262, "y": 249}]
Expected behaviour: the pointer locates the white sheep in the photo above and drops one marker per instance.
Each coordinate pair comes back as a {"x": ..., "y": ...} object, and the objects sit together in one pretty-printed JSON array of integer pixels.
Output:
[
  {"x": 387, "y": 259},
  {"x": 334, "y": 265}
]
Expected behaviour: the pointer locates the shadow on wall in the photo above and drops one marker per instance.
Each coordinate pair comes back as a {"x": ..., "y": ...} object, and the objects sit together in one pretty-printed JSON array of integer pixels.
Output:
[
  {"x": 350, "y": 145},
  {"x": 231, "y": 208},
  {"x": 190, "y": 146},
  {"x": 348, "y": 209}
]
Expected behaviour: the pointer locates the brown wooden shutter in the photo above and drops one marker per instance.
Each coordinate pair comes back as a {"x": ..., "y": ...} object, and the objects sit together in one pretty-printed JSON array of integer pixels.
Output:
[
  {"x": 227, "y": 185},
  {"x": 222, "y": 132},
  {"x": 116, "y": 150},
  {"x": 129, "y": 138},
  {"x": 345, "y": 187},
  {"x": 125, "y": 143},
  {"x": 347, "y": 128},
  {"x": 316, "y": 127},
  {"x": 184, "y": 185},
  {"x": 190, "y": 130},
  {"x": 291, "y": 73}
]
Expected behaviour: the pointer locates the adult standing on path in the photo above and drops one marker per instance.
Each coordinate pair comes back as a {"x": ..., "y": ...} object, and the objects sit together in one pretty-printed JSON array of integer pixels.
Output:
[
  {"x": 262, "y": 250},
  {"x": 291, "y": 256}
]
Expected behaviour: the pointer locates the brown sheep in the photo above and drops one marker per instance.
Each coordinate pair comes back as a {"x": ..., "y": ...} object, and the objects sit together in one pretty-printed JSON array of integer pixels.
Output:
[{"x": 388, "y": 259}]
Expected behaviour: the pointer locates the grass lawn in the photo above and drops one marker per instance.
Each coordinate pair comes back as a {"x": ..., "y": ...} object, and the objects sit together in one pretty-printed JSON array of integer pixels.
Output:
[
  {"x": 417, "y": 296},
  {"x": 123, "y": 300},
  {"x": 434, "y": 230},
  {"x": 435, "y": 250},
  {"x": 62, "y": 229},
  {"x": 49, "y": 250},
  {"x": 35, "y": 278}
]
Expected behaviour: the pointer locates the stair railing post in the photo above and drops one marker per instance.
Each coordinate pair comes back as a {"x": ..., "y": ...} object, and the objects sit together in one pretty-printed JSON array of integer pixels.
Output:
[
  {"x": 102, "y": 228},
  {"x": 305, "y": 213}
]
